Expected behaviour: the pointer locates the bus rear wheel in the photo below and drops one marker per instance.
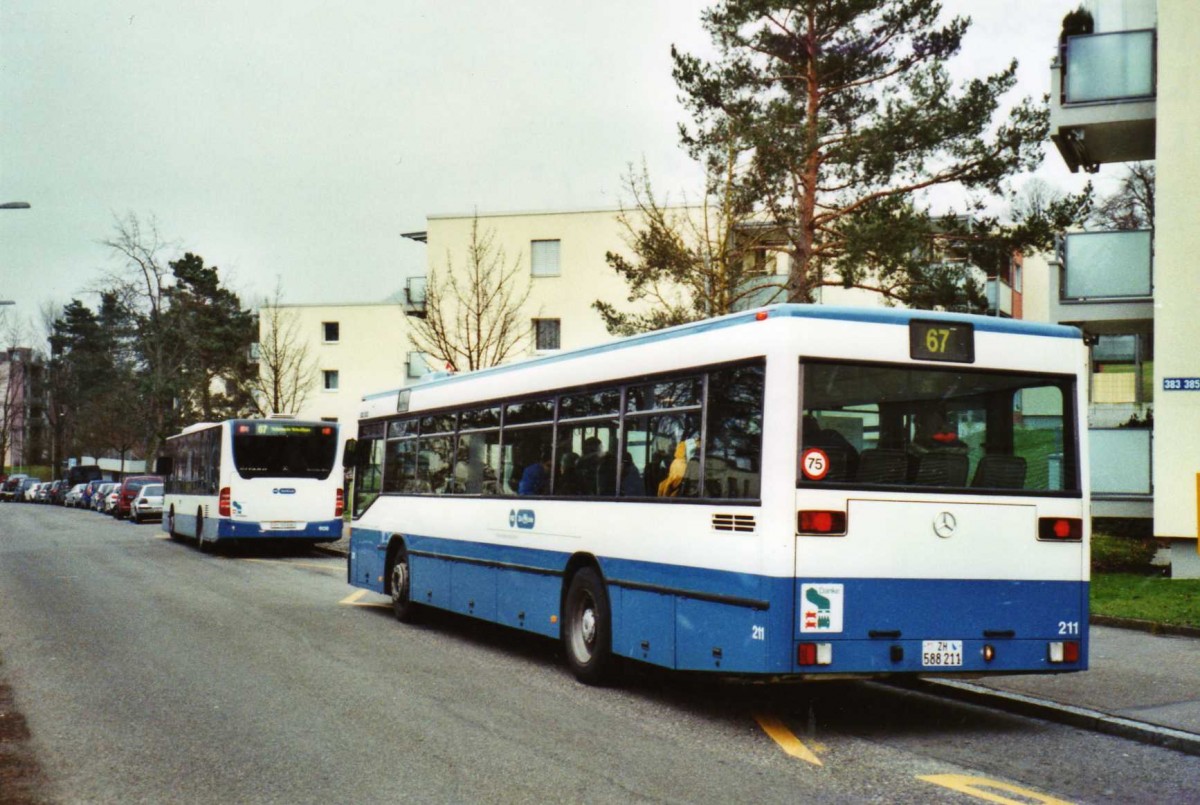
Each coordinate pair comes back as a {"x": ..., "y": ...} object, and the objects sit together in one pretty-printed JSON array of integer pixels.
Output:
[
  {"x": 587, "y": 628},
  {"x": 401, "y": 587}
]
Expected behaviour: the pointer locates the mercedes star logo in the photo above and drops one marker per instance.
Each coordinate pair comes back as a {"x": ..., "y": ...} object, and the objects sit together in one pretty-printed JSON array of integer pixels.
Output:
[{"x": 944, "y": 525}]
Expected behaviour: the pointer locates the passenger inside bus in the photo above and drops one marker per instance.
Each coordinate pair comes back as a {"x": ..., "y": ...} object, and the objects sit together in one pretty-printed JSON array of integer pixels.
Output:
[
  {"x": 937, "y": 456},
  {"x": 669, "y": 487}
]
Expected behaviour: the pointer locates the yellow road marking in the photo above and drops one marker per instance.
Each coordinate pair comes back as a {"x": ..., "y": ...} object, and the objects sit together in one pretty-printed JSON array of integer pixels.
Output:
[
  {"x": 787, "y": 741},
  {"x": 355, "y": 600},
  {"x": 973, "y": 786}
]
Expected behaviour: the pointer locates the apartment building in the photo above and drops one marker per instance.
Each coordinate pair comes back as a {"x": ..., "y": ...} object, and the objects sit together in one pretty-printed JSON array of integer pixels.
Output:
[
  {"x": 347, "y": 350},
  {"x": 1122, "y": 91},
  {"x": 22, "y": 407}
]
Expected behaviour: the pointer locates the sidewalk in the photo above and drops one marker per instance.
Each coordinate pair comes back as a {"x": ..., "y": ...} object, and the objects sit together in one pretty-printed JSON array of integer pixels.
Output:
[{"x": 1139, "y": 685}]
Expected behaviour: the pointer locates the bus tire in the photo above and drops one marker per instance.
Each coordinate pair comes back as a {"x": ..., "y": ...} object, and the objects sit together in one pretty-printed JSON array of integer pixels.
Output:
[
  {"x": 587, "y": 628},
  {"x": 400, "y": 576}
]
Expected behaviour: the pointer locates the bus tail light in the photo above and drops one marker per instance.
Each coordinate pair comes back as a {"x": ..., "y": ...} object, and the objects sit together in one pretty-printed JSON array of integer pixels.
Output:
[
  {"x": 340, "y": 506},
  {"x": 814, "y": 654},
  {"x": 223, "y": 503},
  {"x": 1060, "y": 529},
  {"x": 1065, "y": 651},
  {"x": 821, "y": 522}
]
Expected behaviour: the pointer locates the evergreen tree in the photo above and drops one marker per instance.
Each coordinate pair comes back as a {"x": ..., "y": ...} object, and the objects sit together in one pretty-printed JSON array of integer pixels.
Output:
[
  {"x": 215, "y": 372},
  {"x": 842, "y": 114}
]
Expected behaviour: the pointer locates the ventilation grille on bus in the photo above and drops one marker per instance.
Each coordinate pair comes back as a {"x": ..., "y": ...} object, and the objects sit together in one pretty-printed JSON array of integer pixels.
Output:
[{"x": 733, "y": 522}]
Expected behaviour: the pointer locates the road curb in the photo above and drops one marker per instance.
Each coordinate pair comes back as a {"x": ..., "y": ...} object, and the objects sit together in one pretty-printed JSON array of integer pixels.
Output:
[
  {"x": 1082, "y": 717},
  {"x": 1152, "y": 627}
]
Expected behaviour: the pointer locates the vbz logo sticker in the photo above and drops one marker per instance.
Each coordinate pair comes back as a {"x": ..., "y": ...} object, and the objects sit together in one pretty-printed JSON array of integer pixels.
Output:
[{"x": 520, "y": 518}]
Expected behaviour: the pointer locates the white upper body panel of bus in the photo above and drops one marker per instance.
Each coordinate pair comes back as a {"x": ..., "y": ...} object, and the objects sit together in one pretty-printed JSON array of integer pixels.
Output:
[{"x": 818, "y": 331}]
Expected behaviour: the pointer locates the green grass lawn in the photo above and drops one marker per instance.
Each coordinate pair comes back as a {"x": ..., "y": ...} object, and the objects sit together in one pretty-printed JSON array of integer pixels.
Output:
[{"x": 1150, "y": 598}]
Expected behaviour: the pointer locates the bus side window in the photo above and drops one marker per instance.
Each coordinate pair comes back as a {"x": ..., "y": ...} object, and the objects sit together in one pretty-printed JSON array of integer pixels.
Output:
[{"x": 368, "y": 473}]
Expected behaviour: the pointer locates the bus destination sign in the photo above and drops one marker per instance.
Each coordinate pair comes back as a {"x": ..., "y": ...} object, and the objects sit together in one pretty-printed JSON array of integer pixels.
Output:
[{"x": 941, "y": 341}]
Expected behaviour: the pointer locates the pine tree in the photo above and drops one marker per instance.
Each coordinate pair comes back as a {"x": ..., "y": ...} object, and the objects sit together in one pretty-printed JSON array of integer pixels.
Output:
[{"x": 843, "y": 114}]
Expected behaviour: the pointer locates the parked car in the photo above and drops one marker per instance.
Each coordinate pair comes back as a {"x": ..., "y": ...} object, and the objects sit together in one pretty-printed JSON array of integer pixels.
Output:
[
  {"x": 129, "y": 490},
  {"x": 8, "y": 489},
  {"x": 101, "y": 495},
  {"x": 110, "y": 499},
  {"x": 89, "y": 489},
  {"x": 72, "y": 499},
  {"x": 43, "y": 493},
  {"x": 29, "y": 491},
  {"x": 58, "y": 490},
  {"x": 148, "y": 504}
]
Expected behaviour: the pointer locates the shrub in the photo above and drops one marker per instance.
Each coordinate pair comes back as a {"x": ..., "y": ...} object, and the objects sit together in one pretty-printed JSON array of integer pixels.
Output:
[{"x": 1113, "y": 554}]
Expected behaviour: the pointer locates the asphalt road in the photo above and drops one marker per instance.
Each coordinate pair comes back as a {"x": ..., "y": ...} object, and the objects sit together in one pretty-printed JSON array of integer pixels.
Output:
[{"x": 147, "y": 671}]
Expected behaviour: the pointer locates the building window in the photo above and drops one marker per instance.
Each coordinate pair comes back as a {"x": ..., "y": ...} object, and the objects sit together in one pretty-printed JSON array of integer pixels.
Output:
[
  {"x": 546, "y": 334},
  {"x": 331, "y": 379},
  {"x": 330, "y": 331},
  {"x": 545, "y": 257}
]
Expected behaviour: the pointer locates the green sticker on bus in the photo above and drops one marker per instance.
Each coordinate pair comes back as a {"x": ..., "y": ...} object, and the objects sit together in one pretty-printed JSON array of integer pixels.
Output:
[{"x": 941, "y": 341}]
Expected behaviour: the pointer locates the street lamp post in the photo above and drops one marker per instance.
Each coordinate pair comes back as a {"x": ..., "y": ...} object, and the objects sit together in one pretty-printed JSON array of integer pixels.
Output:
[{"x": 12, "y": 205}]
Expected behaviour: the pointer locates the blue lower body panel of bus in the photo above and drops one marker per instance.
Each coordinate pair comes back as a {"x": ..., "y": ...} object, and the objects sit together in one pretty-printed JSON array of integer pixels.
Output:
[
  {"x": 708, "y": 620},
  {"x": 319, "y": 530},
  {"x": 223, "y": 528}
]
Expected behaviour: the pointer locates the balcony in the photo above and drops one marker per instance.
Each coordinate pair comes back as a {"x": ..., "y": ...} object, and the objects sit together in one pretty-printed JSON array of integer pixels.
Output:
[
  {"x": 999, "y": 297},
  {"x": 414, "y": 296},
  {"x": 1102, "y": 98},
  {"x": 1104, "y": 279},
  {"x": 1120, "y": 468}
]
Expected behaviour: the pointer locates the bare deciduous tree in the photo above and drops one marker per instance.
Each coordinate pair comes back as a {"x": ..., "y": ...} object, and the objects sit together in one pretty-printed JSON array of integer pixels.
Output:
[
  {"x": 474, "y": 316},
  {"x": 1132, "y": 206},
  {"x": 141, "y": 284},
  {"x": 690, "y": 262},
  {"x": 286, "y": 373}
]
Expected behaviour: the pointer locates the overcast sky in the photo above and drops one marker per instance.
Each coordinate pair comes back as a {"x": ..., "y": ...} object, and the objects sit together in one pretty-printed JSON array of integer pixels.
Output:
[{"x": 299, "y": 139}]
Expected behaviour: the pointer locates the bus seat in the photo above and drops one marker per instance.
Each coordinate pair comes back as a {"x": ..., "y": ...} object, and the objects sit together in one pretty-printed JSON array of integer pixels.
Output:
[
  {"x": 1000, "y": 472},
  {"x": 941, "y": 469},
  {"x": 882, "y": 465}
]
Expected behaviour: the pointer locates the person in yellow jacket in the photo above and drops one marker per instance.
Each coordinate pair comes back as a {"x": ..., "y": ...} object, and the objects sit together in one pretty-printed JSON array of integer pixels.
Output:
[{"x": 671, "y": 484}]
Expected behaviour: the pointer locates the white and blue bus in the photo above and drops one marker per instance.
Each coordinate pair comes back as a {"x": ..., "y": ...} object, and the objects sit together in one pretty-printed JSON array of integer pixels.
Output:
[
  {"x": 793, "y": 491},
  {"x": 253, "y": 479}
]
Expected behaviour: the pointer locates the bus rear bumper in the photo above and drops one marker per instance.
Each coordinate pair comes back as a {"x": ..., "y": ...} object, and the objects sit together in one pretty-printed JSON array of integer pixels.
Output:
[{"x": 315, "y": 531}]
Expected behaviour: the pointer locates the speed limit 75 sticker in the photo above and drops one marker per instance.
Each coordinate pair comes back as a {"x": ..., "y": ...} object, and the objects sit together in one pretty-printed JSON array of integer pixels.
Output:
[{"x": 814, "y": 463}]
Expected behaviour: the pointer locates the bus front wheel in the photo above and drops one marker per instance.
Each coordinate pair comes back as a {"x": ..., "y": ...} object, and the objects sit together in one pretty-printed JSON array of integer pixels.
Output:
[
  {"x": 401, "y": 578},
  {"x": 587, "y": 628}
]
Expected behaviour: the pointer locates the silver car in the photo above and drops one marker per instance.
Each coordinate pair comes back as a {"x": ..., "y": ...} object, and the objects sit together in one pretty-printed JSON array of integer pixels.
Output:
[
  {"x": 72, "y": 499},
  {"x": 148, "y": 504}
]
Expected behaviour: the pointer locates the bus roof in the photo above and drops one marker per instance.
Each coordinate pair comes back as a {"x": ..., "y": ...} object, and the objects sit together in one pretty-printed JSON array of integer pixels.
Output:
[{"x": 896, "y": 316}]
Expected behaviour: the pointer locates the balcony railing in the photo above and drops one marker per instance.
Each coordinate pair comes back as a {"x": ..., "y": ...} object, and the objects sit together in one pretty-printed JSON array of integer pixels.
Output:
[
  {"x": 1098, "y": 266},
  {"x": 1120, "y": 461},
  {"x": 999, "y": 297},
  {"x": 1102, "y": 68}
]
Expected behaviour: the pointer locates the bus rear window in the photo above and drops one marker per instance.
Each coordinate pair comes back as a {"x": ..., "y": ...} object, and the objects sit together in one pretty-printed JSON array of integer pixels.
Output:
[
  {"x": 950, "y": 429},
  {"x": 283, "y": 450}
]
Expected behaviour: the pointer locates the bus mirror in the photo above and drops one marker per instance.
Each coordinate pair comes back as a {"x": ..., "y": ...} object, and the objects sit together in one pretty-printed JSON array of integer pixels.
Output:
[
  {"x": 348, "y": 453},
  {"x": 163, "y": 465}
]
